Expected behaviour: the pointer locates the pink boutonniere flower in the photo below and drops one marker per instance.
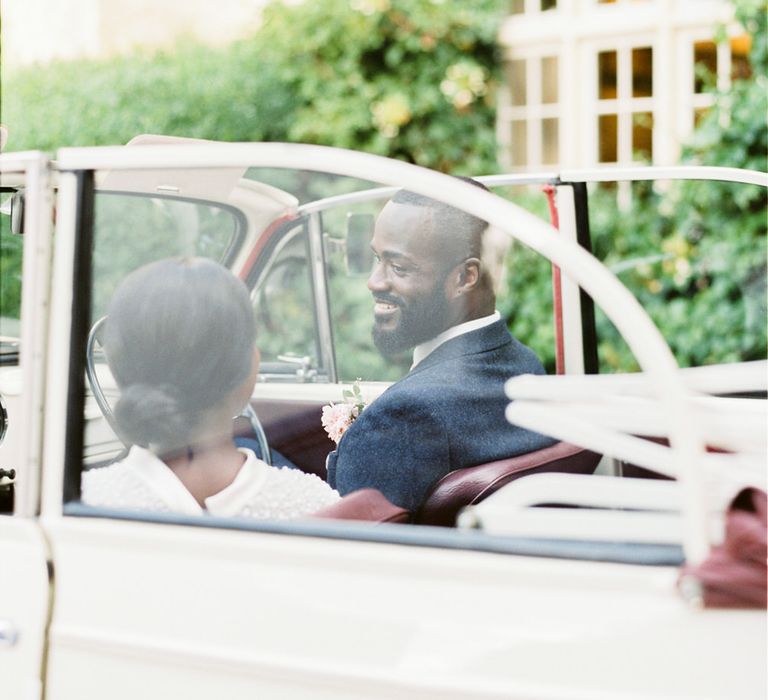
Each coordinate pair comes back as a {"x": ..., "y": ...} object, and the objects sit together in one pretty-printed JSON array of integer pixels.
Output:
[{"x": 337, "y": 417}]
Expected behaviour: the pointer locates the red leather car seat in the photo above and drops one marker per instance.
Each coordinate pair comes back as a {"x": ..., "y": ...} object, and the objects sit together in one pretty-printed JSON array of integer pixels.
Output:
[{"x": 471, "y": 485}]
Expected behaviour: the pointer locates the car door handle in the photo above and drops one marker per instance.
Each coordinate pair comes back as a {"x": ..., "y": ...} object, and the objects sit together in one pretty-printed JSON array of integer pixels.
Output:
[{"x": 9, "y": 635}]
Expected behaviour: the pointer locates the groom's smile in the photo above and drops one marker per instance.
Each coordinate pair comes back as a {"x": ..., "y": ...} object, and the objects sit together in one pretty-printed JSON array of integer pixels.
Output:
[{"x": 385, "y": 309}]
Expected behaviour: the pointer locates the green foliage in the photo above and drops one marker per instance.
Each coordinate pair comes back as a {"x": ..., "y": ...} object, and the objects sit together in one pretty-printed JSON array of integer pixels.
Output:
[
  {"x": 525, "y": 294},
  {"x": 700, "y": 247},
  {"x": 411, "y": 79},
  {"x": 693, "y": 253},
  {"x": 415, "y": 80},
  {"x": 10, "y": 272}
]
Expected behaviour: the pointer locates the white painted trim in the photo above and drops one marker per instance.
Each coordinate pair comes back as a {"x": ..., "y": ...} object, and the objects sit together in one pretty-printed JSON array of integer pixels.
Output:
[
  {"x": 38, "y": 217},
  {"x": 573, "y": 338},
  {"x": 678, "y": 172},
  {"x": 59, "y": 339}
]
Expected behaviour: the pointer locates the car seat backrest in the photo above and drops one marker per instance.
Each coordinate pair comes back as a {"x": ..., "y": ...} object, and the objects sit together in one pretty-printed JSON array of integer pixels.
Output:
[{"x": 468, "y": 486}]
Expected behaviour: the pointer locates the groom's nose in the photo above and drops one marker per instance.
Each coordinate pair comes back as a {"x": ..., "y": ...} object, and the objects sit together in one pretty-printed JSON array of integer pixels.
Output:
[{"x": 378, "y": 280}]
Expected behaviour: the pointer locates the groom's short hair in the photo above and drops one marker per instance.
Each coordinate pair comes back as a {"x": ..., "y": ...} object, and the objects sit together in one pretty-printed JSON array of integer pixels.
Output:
[{"x": 465, "y": 231}]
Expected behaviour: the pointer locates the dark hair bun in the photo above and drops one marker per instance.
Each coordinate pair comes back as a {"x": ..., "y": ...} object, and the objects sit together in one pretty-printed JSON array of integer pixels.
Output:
[{"x": 151, "y": 415}]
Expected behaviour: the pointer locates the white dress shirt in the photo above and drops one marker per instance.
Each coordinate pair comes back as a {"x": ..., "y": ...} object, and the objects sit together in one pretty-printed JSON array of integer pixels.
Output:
[{"x": 421, "y": 351}]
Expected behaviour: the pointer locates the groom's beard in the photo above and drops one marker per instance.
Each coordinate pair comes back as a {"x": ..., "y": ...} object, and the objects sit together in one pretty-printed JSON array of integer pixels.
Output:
[{"x": 418, "y": 322}]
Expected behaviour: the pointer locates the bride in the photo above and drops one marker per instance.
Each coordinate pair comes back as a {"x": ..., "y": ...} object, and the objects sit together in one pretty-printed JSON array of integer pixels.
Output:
[{"x": 180, "y": 343}]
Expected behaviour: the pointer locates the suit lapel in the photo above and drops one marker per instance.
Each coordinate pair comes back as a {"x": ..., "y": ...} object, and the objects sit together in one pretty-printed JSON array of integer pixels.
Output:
[{"x": 484, "y": 339}]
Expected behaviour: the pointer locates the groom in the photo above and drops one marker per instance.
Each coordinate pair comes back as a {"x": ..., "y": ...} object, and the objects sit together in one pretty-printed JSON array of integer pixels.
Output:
[{"x": 433, "y": 293}]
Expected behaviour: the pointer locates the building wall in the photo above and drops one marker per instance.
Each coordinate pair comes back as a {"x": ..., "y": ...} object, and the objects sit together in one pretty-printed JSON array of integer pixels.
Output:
[
  {"x": 38, "y": 31},
  {"x": 596, "y": 81}
]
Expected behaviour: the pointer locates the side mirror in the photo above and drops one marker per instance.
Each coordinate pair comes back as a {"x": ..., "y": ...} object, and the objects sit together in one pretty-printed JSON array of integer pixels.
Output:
[
  {"x": 359, "y": 256},
  {"x": 17, "y": 212}
]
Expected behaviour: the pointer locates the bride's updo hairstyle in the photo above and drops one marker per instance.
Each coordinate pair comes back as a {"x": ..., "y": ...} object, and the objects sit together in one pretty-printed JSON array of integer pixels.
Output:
[{"x": 179, "y": 338}]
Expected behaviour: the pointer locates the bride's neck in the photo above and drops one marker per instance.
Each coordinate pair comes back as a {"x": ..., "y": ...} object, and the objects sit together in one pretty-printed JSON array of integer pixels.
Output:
[{"x": 207, "y": 466}]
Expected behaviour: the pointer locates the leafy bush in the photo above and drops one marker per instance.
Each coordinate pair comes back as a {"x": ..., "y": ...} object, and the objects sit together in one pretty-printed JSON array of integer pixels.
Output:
[
  {"x": 415, "y": 79},
  {"x": 706, "y": 289},
  {"x": 408, "y": 79},
  {"x": 412, "y": 79},
  {"x": 693, "y": 253}
]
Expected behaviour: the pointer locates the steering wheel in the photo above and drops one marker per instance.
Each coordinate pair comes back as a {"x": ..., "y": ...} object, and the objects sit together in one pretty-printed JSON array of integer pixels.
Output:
[{"x": 94, "y": 337}]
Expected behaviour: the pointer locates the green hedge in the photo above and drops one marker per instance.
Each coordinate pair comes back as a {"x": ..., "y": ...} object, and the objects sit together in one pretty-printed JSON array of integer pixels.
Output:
[
  {"x": 415, "y": 80},
  {"x": 409, "y": 79},
  {"x": 707, "y": 293}
]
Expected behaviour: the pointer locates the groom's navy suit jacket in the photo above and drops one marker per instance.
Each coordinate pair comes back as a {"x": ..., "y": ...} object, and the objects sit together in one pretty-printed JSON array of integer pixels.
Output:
[{"x": 445, "y": 414}]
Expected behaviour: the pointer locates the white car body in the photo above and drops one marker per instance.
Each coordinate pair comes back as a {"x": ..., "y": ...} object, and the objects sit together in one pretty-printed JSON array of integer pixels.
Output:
[{"x": 101, "y": 606}]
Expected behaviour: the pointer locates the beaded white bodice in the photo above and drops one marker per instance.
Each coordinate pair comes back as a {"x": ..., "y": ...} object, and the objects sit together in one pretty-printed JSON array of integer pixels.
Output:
[{"x": 141, "y": 481}]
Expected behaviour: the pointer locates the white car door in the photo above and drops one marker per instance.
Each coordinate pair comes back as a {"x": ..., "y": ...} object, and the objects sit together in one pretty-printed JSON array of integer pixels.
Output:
[
  {"x": 161, "y": 605},
  {"x": 24, "y": 572}
]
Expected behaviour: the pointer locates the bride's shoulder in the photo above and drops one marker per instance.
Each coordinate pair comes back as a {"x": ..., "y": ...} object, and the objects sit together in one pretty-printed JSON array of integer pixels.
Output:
[
  {"x": 118, "y": 486},
  {"x": 295, "y": 492}
]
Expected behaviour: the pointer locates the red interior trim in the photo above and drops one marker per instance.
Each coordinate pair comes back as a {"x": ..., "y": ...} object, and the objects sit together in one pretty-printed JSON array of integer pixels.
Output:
[
  {"x": 261, "y": 241},
  {"x": 557, "y": 290}
]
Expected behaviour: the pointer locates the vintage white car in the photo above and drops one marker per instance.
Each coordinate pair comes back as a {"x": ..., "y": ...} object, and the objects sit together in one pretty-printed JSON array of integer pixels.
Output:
[{"x": 479, "y": 593}]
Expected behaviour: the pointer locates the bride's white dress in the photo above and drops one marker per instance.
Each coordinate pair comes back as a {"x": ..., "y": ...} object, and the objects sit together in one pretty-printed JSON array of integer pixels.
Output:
[{"x": 141, "y": 481}]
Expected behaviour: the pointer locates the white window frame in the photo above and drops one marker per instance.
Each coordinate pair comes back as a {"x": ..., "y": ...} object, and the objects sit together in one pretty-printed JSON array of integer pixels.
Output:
[
  {"x": 533, "y": 112},
  {"x": 624, "y": 105}
]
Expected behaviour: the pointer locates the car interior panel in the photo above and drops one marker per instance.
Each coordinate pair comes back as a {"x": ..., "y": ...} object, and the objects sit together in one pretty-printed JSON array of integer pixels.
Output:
[{"x": 293, "y": 428}]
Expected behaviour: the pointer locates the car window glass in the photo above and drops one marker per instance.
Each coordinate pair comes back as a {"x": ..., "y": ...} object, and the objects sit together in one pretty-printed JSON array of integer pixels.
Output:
[
  {"x": 11, "y": 247},
  {"x": 350, "y": 299},
  {"x": 131, "y": 229},
  {"x": 329, "y": 307},
  {"x": 283, "y": 300}
]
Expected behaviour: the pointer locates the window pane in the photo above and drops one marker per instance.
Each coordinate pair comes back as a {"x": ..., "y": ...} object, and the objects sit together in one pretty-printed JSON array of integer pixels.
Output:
[
  {"x": 606, "y": 75},
  {"x": 549, "y": 141},
  {"x": 698, "y": 114},
  {"x": 283, "y": 302},
  {"x": 549, "y": 78},
  {"x": 346, "y": 229},
  {"x": 548, "y": 4},
  {"x": 132, "y": 230},
  {"x": 519, "y": 142},
  {"x": 608, "y": 127},
  {"x": 518, "y": 7},
  {"x": 642, "y": 135},
  {"x": 517, "y": 82},
  {"x": 642, "y": 72},
  {"x": 705, "y": 61},
  {"x": 740, "y": 47}
]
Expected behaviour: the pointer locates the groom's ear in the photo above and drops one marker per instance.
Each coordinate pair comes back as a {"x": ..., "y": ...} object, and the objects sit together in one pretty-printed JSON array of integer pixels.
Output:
[{"x": 467, "y": 276}]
